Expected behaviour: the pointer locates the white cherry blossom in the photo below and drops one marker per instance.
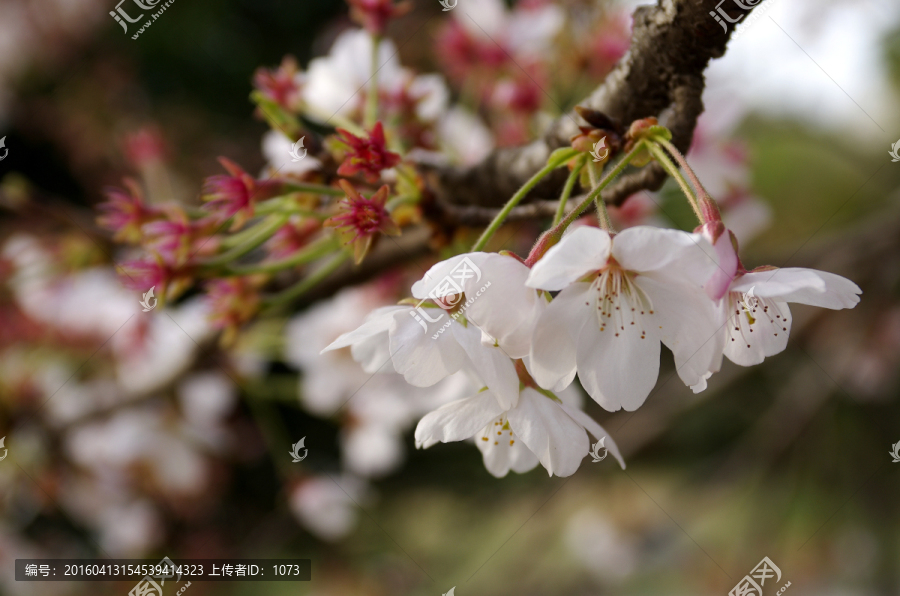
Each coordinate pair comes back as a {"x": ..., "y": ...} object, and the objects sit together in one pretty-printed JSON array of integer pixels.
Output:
[
  {"x": 333, "y": 82},
  {"x": 426, "y": 351},
  {"x": 506, "y": 309},
  {"x": 755, "y": 307},
  {"x": 759, "y": 318},
  {"x": 620, "y": 296},
  {"x": 539, "y": 428}
]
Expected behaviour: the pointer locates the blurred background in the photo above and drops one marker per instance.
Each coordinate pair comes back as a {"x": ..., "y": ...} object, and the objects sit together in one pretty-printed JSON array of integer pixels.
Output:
[{"x": 133, "y": 434}]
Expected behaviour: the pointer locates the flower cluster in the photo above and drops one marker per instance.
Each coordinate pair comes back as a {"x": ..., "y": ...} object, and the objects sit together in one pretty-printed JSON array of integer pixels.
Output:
[{"x": 587, "y": 302}]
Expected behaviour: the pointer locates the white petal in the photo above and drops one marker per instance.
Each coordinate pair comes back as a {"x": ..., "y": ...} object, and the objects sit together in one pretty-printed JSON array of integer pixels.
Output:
[
  {"x": 581, "y": 252},
  {"x": 701, "y": 385},
  {"x": 499, "y": 456},
  {"x": 749, "y": 344},
  {"x": 687, "y": 256},
  {"x": 693, "y": 326},
  {"x": 596, "y": 431},
  {"x": 803, "y": 286},
  {"x": 502, "y": 305},
  {"x": 377, "y": 322},
  {"x": 421, "y": 358},
  {"x": 617, "y": 367},
  {"x": 553, "y": 345},
  {"x": 373, "y": 353},
  {"x": 559, "y": 442},
  {"x": 458, "y": 420},
  {"x": 493, "y": 366},
  {"x": 452, "y": 276},
  {"x": 521, "y": 458}
]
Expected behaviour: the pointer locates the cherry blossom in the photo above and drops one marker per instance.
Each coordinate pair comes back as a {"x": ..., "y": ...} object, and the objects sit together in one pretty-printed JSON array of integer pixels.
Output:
[
  {"x": 506, "y": 311},
  {"x": 336, "y": 84},
  {"x": 754, "y": 305},
  {"x": 426, "y": 344},
  {"x": 539, "y": 428},
  {"x": 759, "y": 319},
  {"x": 620, "y": 296}
]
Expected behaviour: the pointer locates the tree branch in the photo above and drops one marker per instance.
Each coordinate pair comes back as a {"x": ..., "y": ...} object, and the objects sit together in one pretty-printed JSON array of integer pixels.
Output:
[{"x": 661, "y": 75}]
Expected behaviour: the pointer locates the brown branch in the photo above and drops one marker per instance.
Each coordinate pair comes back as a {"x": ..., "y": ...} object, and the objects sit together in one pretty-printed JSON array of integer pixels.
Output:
[{"x": 661, "y": 75}]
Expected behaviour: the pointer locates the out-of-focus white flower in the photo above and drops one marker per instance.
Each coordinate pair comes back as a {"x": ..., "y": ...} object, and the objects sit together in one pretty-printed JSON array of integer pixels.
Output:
[
  {"x": 620, "y": 297},
  {"x": 746, "y": 215},
  {"x": 139, "y": 436},
  {"x": 464, "y": 135},
  {"x": 276, "y": 148},
  {"x": 327, "y": 507},
  {"x": 525, "y": 31},
  {"x": 329, "y": 379},
  {"x": 130, "y": 529},
  {"x": 90, "y": 302},
  {"x": 207, "y": 397},
  {"x": 356, "y": 371},
  {"x": 383, "y": 409},
  {"x": 152, "y": 357},
  {"x": 334, "y": 82}
]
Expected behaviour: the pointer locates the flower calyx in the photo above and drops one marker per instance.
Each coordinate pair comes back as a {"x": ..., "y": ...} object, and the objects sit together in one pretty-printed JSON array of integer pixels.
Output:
[{"x": 362, "y": 218}]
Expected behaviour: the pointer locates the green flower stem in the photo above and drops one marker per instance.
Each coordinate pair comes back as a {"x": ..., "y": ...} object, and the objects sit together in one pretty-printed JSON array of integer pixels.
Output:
[
  {"x": 576, "y": 212},
  {"x": 308, "y": 282},
  {"x": 673, "y": 171},
  {"x": 555, "y": 161},
  {"x": 709, "y": 209},
  {"x": 319, "y": 189},
  {"x": 600, "y": 204},
  {"x": 262, "y": 233},
  {"x": 679, "y": 158},
  {"x": 306, "y": 255},
  {"x": 567, "y": 189},
  {"x": 372, "y": 98},
  {"x": 271, "y": 207}
]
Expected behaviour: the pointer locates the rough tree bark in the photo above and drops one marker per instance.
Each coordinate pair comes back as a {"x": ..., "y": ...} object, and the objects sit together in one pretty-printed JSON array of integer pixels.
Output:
[{"x": 661, "y": 75}]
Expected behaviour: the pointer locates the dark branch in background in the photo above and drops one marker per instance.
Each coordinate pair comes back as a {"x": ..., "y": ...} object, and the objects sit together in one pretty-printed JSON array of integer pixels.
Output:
[{"x": 661, "y": 75}]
